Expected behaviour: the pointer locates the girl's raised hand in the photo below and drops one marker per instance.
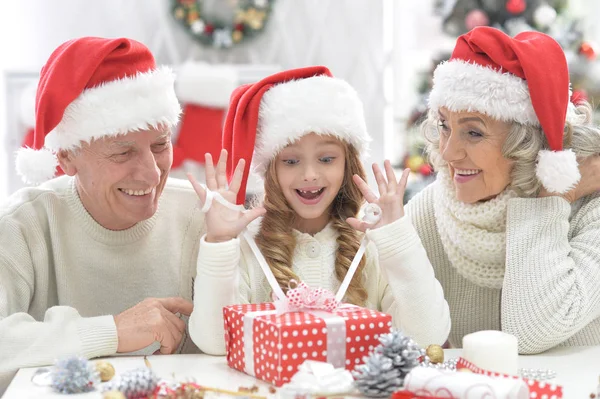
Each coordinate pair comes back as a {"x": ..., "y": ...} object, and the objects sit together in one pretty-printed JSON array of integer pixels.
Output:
[
  {"x": 222, "y": 222},
  {"x": 390, "y": 200}
]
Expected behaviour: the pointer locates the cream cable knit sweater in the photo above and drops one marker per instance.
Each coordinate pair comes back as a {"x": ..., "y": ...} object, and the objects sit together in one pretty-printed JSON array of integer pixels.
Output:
[
  {"x": 63, "y": 276},
  {"x": 551, "y": 290},
  {"x": 399, "y": 281}
]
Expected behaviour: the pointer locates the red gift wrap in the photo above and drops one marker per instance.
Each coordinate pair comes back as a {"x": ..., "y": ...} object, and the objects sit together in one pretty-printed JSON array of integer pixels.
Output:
[{"x": 271, "y": 346}]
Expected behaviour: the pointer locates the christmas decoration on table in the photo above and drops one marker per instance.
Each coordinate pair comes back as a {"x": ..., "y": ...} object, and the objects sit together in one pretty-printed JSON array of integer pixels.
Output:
[
  {"x": 537, "y": 389},
  {"x": 74, "y": 375},
  {"x": 105, "y": 370},
  {"x": 271, "y": 346},
  {"x": 192, "y": 390},
  {"x": 113, "y": 395},
  {"x": 385, "y": 369},
  {"x": 133, "y": 384},
  {"x": 431, "y": 383},
  {"x": 249, "y": 20},
  {"x": 319, "y": 379}
]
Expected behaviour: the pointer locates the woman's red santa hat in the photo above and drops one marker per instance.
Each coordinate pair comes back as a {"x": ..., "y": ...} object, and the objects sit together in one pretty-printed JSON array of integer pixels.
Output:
[
  {"x": 92, "y": 88},
  {"x": 266, "y": 116},
  {"x": 523, "y": 79}
]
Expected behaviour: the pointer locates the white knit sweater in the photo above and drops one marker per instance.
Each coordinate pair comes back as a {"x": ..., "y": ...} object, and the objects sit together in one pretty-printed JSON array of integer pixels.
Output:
[
  {"x": 550, "y": 295},
  {"x": 399, "y": 281},
  {"x": 63, "y": 276}
]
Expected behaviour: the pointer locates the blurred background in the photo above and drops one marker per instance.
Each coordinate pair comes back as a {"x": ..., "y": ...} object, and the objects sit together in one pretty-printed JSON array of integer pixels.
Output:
[{"x": 386, "y": 49}]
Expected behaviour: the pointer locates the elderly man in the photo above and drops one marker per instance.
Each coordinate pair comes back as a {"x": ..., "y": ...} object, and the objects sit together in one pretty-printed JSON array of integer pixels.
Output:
[{"x": 101, "y": 260}]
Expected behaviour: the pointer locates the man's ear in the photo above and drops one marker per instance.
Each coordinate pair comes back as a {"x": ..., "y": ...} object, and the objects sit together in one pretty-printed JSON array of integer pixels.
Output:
[{"x": 65, "y": 160}]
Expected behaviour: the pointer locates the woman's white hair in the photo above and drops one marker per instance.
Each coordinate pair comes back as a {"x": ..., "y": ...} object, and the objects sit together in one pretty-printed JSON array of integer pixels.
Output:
[{"x": 523, "y": 143}]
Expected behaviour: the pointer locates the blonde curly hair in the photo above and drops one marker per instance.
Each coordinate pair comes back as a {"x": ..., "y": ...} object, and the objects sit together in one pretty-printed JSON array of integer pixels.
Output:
[
  {"x": 276, "y": 227},
  {"x": 523, "y": 143}
]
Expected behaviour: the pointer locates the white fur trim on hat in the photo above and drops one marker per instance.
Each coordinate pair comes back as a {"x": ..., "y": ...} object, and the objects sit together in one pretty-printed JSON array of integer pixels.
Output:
[
  {"x": 462, "y": 86},
  {"x": 200, "y": 83},
  {"x": 320, "y": 104},
  {"x": 35, "y": 167},
  {"x": 558, "y": 170},
  {"x": 118, "y": 107}
]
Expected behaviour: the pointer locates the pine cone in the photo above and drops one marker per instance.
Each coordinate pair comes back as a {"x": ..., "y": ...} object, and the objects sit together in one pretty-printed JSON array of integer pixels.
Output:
[
  {"x": 134, "y": 384},
  {"x": 378, "y": 377},
  {"x": 384, "y": 371}
]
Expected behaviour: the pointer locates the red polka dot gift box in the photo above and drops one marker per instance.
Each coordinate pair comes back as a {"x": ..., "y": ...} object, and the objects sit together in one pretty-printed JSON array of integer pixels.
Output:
[{"x": 271, "y": 346}]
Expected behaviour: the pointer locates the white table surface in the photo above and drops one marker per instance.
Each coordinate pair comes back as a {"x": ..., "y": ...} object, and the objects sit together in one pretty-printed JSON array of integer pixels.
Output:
[{"x": 577, "y": 368}]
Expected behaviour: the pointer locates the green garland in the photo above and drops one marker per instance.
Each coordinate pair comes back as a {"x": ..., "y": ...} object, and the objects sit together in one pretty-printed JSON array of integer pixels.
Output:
[{"x": 250, "y": 19}]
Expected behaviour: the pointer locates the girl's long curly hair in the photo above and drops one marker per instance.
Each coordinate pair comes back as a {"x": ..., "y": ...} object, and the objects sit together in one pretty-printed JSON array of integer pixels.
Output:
[{"x": 276, "y": 240}]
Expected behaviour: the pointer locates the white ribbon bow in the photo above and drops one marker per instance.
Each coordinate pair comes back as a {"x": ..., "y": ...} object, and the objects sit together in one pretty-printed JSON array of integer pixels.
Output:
[{"x": 321, "y": 378}]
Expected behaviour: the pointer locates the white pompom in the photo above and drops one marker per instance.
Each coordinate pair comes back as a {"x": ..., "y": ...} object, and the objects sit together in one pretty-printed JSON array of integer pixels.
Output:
[
  {"x": 544, "y": 16},
  {"x": 558, "y": 170},
  {"x": 36, "y": 166}
]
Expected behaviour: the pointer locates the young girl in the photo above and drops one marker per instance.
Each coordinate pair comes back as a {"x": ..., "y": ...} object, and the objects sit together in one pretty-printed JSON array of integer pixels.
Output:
[{"x": 304, "y": 132}]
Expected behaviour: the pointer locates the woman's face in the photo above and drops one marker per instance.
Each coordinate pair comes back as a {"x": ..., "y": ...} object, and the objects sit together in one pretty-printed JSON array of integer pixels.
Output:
[{"x": 471, "y": 143}]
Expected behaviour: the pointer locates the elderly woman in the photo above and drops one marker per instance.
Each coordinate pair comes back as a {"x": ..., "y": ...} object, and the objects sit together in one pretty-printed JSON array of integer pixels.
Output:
[{"x": 512, "y": 224}]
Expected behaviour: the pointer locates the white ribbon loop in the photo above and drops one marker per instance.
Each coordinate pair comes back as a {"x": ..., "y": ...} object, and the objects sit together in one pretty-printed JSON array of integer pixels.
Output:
[{"x": 216, "y": 196}]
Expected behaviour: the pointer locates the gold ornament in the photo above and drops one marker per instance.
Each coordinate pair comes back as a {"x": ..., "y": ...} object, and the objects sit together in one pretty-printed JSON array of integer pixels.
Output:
[
  {"x": 415, "y": 162},
  {"x": 254, "y": 18},
  {"x": 113, "y": 395},
  {"x": 179, "y": 13},
  {"x": 237, "y": 36},
  {"x": 106, "y": 370},
  {"x": 435, "y": 353}
]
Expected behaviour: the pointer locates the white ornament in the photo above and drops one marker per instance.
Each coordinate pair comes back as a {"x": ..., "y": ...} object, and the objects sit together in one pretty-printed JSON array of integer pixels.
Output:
[
  {"x": 198, "y": 26},
  {"x": 544, "y": 16},
  {"x": 372, "y": 214},
  {"x": 260, "y": 3}
]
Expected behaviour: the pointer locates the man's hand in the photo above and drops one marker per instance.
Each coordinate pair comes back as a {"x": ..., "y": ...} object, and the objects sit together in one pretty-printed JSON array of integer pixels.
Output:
[{"x": 153, "y": 319}]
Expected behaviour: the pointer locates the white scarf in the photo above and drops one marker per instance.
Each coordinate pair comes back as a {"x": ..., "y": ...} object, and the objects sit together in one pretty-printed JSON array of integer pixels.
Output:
[{"x": 473, "y": 235}]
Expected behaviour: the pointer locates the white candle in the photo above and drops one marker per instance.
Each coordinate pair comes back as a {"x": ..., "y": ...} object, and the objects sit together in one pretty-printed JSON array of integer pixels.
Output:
[{"x": 492, "y": 350}]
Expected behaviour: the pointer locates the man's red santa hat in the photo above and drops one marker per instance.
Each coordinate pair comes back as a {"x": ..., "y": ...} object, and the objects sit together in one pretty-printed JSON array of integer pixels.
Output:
[
  {"x": 266, "y": 116},
  {"x": 92, "y": 88},
  {"x": 523, "y": 79}
]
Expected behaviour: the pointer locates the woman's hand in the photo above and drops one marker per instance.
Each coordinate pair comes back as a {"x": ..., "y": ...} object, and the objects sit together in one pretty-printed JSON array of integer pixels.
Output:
[
  {"x": 223, "y": 223},
  {"x": 391, "y": 196},
  {"x": 588, "y": 184}
]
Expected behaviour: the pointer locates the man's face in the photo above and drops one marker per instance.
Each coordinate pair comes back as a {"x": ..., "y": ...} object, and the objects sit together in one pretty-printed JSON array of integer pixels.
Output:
[{"x": 120, "y": 179}]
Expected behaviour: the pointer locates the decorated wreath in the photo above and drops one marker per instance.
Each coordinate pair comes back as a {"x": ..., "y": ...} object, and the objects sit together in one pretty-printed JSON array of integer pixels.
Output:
[{"x": 250, "y": 18}]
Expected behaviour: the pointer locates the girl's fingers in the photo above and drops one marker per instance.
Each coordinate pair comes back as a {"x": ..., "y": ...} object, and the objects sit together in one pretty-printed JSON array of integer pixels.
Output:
[
  {"x": 197, "y": 188},
  {"x": 391, "y": 176},
  {"x": 209, "y": 171},
  {"x": 253, "y": 214},
  {"x": 402, "y": 182},
  {"x": 238, "y": 175},
  {"x": 355, "y": 224},
  {"x": 222, "y": 170},
  {"x": 364, "y": 188},
  {"x": 381, "y": 183}
]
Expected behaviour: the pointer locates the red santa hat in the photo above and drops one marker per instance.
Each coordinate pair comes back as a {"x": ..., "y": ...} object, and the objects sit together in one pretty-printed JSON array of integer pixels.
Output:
[
  {"x": 92, "y": 88},
  {"x": 266, "y": 116},
  {"x": 523, "y": 79}
]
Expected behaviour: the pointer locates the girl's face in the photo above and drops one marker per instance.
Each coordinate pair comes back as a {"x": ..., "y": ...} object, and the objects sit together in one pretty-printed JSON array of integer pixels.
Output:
[
  {"x": 310, "y": 173},
  {"x": 471, "y": 143}
]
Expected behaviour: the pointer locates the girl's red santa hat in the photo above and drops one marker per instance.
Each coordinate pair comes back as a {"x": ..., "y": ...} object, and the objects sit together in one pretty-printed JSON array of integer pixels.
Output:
[
  {"x": 266, "y": 116},
  {"x": 92, "y": 88},
  {"x": 523, "y": 79}
]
